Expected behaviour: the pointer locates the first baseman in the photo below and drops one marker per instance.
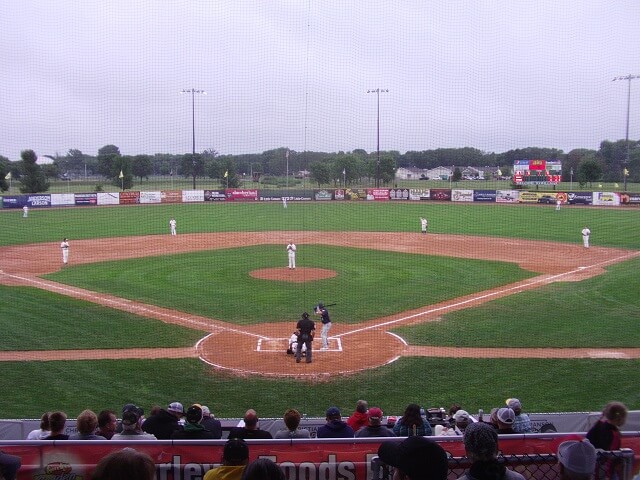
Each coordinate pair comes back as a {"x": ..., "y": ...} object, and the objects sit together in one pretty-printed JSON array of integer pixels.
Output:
[{"x": 64, "y": 245}]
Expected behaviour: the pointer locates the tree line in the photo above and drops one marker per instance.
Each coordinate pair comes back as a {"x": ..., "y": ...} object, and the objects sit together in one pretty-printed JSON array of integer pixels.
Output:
[{"x": 608, "y": 163}]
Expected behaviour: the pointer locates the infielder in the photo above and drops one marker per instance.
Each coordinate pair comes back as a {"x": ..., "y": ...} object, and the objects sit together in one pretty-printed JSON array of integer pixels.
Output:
[
  {"x": 423, "y": 224},
  {"x": 291, "y": 253},
  {"x": 64, "y": 245},
  {"x": 326, "y": 324},
  {"x": 25, "y": 211},
  {"x": 172, "y": 226},
  {"x": 585, "y": 236}
]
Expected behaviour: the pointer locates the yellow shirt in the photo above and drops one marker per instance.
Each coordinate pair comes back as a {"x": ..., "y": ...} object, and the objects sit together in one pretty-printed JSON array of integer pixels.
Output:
[{"x": 224, "y": 472}]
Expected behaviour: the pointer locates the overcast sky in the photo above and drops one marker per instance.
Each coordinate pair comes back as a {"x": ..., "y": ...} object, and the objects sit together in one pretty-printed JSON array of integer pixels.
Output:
[{"x": 490, "y": 74}]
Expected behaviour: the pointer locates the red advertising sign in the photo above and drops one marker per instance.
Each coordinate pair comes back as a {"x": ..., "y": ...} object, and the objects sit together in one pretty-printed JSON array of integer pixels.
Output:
[
  {"x": 128, "y": 198},
  {"x": 250, "y": 195},
  {"x": 378, "y": 194}
]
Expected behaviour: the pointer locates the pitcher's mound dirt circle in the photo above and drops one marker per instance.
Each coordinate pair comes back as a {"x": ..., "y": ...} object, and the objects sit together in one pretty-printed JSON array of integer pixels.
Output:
[{"x": 296, "y": 275}]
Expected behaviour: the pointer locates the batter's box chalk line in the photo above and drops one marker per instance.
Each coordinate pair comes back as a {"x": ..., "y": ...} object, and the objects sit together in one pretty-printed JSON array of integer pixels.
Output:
[{"x": 279, "y": 345}]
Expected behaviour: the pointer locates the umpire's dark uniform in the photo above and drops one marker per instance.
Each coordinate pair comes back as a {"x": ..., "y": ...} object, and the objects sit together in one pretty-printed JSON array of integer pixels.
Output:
[{"x": 306, "y": 329}]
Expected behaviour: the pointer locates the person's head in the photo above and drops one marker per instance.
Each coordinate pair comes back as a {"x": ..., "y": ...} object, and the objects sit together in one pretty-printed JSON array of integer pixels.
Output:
[
  {"x": 291, "y": 419},
  {"x": 453, "y": 409},
  {"x": 416, "y": 458},
  {"x": 412, "y": 415},
  {"x": 505, "y": 417},
  {"x": 515, "y": 405},
  {"x": 615, "y": 413},
  {"x": 130, "y": 420},
  {"x": 87, "y": 422},
  {"x": 57, "y": 421},
  {"x": 176, "y": 409},
  {"x": 462, "y": 419},
  {"x": 126, "y": 464},
  {"x": 206, "y": 413},
  {"x": 362, "y": 406},
  {"x": 263, "y": 469},
  {"x": 333, "y": 414},
  {"x": 305, "y": 315},
  {"x": 480, "y": 442},
  {"x": 44, "y": 422},
  {"x": 577, "y": 459},
  {"x": 250, "y": 419},
  {"x": 194, "y": 414},
  {"x": 236, "y": 452},
  {"x": 375, "y": 416},
  {"x": 107, "y": 421}
]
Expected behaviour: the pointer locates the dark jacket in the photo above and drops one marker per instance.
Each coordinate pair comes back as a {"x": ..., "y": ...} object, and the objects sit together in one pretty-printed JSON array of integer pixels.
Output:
[
  {"x": 241, "y": 432},
  {"x": 162, "y": 425},
  {"x": 213, "y": 425},
  {"x": 192, "y": 432},
  {"x": 335, "y": 429}
]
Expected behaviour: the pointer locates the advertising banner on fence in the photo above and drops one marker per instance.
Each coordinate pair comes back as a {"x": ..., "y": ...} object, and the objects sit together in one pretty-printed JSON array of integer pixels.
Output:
[
  {"x": 419, "y": 194},
  {"x": 250, "y": 195},
  {"x": 440, "y": 194},
  {"x": 399, "y": 194},
  {"x": 63, "y": 200},
  {"x": 214, "y": 196},
  {"x": 507, "y": 196},
  {"x": 192, "y": 196},
  {"x": 84, "y": 199},
  {"x": 355, "y": 194},
  {"x": 13, "y": 201},
  {"x": 129, "y": 198},
  {"x": 151, "y": 197},
  {"x": 38, "y": 200},
  {"x": 325, "y": 195},
  {"x": 288, "y": 195},
  {"x": 378, "y": 194},
  {"x": 171, "y": 196},
  {"x": 609, "y": 199},
  {"x": 484, "y": 195},
  {"x": 108, "y": 198},
  {"x": 458, "y": 195},
  {"x": 580, "y": 198},
  {"x": 630, "y": 198}
]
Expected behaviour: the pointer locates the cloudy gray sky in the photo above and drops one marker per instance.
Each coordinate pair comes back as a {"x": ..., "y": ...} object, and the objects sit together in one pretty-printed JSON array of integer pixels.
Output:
[{"x": 490, "y": 74}]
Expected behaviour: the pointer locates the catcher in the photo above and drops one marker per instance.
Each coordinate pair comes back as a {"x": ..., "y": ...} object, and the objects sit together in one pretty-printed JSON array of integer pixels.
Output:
[{"x": 305, "y": 329}]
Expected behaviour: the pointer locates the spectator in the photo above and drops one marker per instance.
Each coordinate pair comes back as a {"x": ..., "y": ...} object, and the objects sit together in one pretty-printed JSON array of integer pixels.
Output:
[
  {"x": 250, "y": 430},
  {"x": 139, "y": 412},
  {"x": 292, "y": 421},
  {"x": 359, "y": 418},
  {"x": 457, "y": 424},
  {"x": 374, "y": 427},
  {"x": 505, "y": 418},
  {"x": 481, "y": 445},
  {"x": 9, "y": 466},
  {"x": 125, "y": 464},
  {"x": 335, "y": 427},
  {"x": 416, "y": 458},
  {"x": 131, "y": 428},
  {"x": 165, "y": 422},
  {"x": 605, "y": 433},
  {"x": 577, "y": 460},
  {"x": 86, "y": 423},
  {"x": 107, "y": 423},
  {"x": 263, "y": 469},
  {"x": 522, "y": 423},
  {"x": 411, "y": 423},
  {"x": 193, "y": 428},
  {"x": 493, "y": 418},
  {"x": 43, "y": 431},
  {"x": 57, "y": 422},
  {"x": 210, "y": 423},
  {"x": 235, "y": 457}
]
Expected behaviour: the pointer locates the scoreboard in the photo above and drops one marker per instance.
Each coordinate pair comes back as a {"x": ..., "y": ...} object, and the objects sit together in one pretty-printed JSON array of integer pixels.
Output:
[{"x": 537, "y": 172}]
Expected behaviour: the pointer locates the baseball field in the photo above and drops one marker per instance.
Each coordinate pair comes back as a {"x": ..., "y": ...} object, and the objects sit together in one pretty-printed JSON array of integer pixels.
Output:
[{"x": 495, "y": 301}]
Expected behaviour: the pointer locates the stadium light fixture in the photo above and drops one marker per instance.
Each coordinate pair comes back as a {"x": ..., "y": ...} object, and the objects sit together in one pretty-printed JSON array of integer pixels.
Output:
[
  {"x": 377, "y": 91},
  {"x": 193, "y": 92},
  {"x": 625, "y": 171}
]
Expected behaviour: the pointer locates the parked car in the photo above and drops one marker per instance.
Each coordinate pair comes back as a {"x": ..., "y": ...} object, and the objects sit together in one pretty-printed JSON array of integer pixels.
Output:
[
  {"x": 547, "y": 199},
  {"x": 573, "y": 200}
]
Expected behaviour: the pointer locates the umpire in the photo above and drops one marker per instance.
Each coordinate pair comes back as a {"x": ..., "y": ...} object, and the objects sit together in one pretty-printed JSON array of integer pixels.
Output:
[{"x": 305, "y": 328}]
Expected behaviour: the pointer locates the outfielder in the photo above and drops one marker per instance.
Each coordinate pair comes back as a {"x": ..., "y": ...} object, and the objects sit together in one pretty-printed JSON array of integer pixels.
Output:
[
  {"x": 64, "y": 245},
  {"x": 291, "y": 252},
  {"x": 326, "y": 324},
  {"x": 585, "y": 236},
  {"x": 172, "y": 226},
  {"x": 423, "y": 224}
]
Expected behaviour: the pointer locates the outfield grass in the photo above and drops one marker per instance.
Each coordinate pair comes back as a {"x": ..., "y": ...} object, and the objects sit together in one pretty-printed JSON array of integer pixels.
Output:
[{"x": 593, "y": 313}]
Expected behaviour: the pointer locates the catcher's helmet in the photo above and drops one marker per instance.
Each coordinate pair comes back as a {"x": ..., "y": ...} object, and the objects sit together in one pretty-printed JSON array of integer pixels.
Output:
[
  {"x": 305, "y": 315},
  {"x": 321, "y": 305}
]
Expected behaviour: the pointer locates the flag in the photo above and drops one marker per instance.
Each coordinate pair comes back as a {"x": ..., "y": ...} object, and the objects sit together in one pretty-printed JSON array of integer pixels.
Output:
[
  {"x": 7, "y": 176},
  {"x": 344, "y": 171},
  {"x": 226, "y": 173},
  {"x": 499, "y": 173},
  {"x": 121, "y": 174},
  {"x": 616, "y": 185},
  {"x": 626, "y": 172}
]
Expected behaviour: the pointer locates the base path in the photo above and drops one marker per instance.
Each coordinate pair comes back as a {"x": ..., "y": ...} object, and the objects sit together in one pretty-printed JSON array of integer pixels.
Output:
[{"x": 260, "y": 349}]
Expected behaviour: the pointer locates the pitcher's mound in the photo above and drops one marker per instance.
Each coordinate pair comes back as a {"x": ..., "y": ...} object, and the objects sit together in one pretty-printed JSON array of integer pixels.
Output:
[{"x": 296, "y": 275}]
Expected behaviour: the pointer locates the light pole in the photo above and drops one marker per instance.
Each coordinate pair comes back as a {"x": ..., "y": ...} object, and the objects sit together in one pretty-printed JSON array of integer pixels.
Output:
[
  {"x": 377, "y": 91},
  {"x": 626, "y": 160},
  {"x": 193, "y": 92}
]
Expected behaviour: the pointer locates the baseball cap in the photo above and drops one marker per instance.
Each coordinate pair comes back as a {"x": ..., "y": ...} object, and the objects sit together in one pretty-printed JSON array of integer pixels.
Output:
[
  {"x": 194, "y": 414},
  {"x": 235, "y": 450},
  {"x": 417, "y": 457},
  {"x": 481, "y": 439},
  {"x": 130, "y": 417},
  {"x": 205, "y": 411},
  {"x": 374, "y": 412},
  {"x": 513, "y": 404},
  {"x": 506, "y": 415},
  {"x": 176, "y": 407},
  {"x": 461, "y": 416},
  {"x": 578, "y": 456},
  {"x": 333, "y": 412}
]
